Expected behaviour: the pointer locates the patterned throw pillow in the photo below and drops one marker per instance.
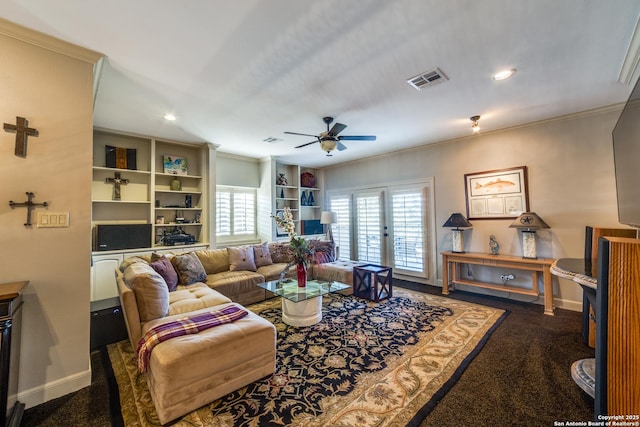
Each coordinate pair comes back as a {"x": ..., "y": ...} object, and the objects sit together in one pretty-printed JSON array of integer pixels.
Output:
[
  {"x": 262, "y": 255},
  {"x": 280, "y": 252},
  {"x": 189, "y": 269},
  {"x": 163, "y": 267},
  {"x": 241, "y": 258},
  {"x": 323, "y": 251}
]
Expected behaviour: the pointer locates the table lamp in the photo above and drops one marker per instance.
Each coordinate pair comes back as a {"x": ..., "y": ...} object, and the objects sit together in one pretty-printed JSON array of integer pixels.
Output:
[
  {"x": 457, "y": 220},
  {"x": 327, "y": 218},
  {"x": 529, "y": 222}
]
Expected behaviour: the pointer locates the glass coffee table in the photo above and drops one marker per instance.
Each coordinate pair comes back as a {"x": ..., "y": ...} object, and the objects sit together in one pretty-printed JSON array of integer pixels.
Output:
[{"x": 302, "y": 306}]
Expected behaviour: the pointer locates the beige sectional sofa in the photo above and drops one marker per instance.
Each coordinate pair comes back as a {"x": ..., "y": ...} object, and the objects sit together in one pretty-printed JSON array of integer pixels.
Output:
[
  {"x": 158, "y": 289},
  {"x": 187, "y": 372}
]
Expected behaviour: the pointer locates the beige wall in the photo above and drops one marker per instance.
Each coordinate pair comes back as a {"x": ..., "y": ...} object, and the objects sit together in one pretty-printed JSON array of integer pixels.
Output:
[
  {"x": 54, "y": 92},
  {"x": 571, "y": 185}
]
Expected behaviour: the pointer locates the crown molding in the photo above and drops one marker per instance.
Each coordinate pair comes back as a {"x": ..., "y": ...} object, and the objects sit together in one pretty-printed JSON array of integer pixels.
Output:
[
  {"x": 47, "y": 42},
  {"x": 629, "y": 71}
]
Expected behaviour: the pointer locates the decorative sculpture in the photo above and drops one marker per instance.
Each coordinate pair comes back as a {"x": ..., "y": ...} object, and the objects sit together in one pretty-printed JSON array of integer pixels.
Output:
[{"x": 494, "y": 246}]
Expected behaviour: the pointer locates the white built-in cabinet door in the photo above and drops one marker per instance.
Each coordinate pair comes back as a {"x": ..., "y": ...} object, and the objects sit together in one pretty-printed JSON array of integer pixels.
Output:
[{"x": 103, "y": 278}]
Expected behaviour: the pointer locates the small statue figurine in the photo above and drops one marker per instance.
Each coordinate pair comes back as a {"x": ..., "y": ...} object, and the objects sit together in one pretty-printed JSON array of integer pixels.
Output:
[
  {"x": 493, "y": 245},
  {"x": 282, "y": 180}
]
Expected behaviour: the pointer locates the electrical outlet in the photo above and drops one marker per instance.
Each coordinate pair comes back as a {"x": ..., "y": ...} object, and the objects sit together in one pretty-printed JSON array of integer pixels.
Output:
[{"x": 506, "y": 277}]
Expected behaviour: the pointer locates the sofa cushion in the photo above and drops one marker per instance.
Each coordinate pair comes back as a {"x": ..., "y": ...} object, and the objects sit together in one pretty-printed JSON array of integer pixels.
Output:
[
  {"x": 214, "y": 260},
  {"x": 234, "y": 284},
  {"x": 128, "y": 261},
  {"x": 189, "y": 268},
  {"x": 194, "y": 297},
  {"x": 241, "y": 258},
  {"x": 262, "y": 255},
  {"x": 152, "y": 292},
  {"x": 164, "y": 268},
  {"x": 272, "y": 271},
  {"x": 280, "y": 252}
]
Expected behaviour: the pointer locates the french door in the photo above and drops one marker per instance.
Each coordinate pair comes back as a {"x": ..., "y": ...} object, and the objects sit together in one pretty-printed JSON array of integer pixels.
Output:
[{"x": 390, "y": 226}]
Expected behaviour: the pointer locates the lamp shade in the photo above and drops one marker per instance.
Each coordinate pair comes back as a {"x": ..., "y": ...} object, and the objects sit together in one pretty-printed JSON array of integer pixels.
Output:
[
  {"x": 457, "y": 220},
  {"x": 529, "y": 221},
  {"x": 328, "y": 217}
]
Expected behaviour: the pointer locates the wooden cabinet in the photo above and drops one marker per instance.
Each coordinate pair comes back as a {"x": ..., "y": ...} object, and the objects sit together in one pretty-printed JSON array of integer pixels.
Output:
[{"x": 103, "y": 282}]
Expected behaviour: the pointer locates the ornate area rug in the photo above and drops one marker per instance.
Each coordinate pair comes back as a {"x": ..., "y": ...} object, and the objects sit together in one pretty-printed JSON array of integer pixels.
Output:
[{"x": 364, "y": 364}]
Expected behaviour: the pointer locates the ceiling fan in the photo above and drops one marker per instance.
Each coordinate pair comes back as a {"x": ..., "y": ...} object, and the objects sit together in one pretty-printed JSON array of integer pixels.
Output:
[{"x": 329, "y": 140}]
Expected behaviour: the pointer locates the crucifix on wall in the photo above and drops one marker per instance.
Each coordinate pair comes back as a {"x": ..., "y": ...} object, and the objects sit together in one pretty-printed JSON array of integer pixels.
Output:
[
  {"x": 117, "y": 182},
  {"x": 22, "y": 131}
]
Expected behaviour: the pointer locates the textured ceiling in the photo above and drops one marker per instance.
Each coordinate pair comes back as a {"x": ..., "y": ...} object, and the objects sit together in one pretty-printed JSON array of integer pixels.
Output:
[{"x": 237, "y": 72}]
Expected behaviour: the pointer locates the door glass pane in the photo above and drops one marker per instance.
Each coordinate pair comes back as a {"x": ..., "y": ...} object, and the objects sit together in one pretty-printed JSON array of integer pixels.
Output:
[
  {"x": 408, "y": 234},
  {"x": 368, "y": 228}
]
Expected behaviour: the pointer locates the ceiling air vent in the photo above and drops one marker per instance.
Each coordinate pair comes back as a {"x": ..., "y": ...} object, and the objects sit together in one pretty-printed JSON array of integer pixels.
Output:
[{"x": 427, "y": 79}]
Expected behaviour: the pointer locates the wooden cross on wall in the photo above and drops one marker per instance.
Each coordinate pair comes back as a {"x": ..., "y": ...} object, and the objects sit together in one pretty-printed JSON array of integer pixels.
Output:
[
  {"x": 22, "y": 131},
  {"x": 117, "y": 181}
]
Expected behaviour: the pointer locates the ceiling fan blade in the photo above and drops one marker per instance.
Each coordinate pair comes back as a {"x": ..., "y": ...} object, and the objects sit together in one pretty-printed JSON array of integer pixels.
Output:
[
  {"x": 302, "y": 134},
  {"x": 308, "y": 143},
  {"x": 336, "y": 129},
  {"x": 341, "y": 146},
  {"x": 357, "y": 138}
]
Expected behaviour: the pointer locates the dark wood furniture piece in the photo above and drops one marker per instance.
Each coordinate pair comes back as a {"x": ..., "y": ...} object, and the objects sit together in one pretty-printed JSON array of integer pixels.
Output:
[
  {"x": 373, "y": 282},
  {"x": 10, "y": 324},
  {"x": 451, "y": 262},
  {"x": 618, "y": 328},
  {"x": 592, "y": 235}
]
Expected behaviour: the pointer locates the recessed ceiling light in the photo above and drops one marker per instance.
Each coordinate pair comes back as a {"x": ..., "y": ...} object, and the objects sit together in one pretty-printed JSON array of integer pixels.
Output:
[
  {"x": 170, "y": 117},
  {"x": 504, "y": 74}
]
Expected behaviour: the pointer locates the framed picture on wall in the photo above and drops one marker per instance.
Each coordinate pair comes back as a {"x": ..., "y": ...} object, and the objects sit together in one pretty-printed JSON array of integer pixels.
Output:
[{"x": 497, "y": 194}]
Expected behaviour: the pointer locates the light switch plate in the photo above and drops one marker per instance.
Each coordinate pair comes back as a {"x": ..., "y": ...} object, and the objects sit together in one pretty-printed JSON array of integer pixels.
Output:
[{"x": 53, "y": 219}]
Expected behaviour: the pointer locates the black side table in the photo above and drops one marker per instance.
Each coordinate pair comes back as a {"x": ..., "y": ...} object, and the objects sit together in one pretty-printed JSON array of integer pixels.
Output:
[{"x": 373, "y": 282}]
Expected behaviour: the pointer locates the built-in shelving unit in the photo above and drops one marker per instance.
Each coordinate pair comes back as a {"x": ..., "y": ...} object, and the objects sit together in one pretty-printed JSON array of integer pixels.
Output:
[
  {"x": 304, "y": 200},
  {"x": 147, "y": 197}
]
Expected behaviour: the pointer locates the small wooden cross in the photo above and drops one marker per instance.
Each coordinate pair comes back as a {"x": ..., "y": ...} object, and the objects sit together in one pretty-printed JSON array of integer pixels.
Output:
[
  {"x": 22, "y": 131},
  {"x": 117, "y": 181},
  {"x": 29, "y": 204}
]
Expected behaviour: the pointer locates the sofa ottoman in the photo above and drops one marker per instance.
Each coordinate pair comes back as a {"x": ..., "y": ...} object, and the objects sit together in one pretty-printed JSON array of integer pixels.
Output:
[{"x": 190, "y": 371}]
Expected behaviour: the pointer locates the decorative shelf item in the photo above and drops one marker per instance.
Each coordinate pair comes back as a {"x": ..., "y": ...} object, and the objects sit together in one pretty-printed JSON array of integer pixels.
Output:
[{"x": 307, "y": 179}]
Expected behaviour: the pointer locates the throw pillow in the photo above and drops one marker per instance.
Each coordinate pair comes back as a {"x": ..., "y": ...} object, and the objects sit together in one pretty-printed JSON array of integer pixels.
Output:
[
  {"x": 262, "y": 255},
  {"x": 324, "y": 251},
  {"x": 164, "y": 268},
  {"x": 150, "y": 289},
  {"x": 241, "y": 258},
  {"x": 280, "y": 252},
  {"x": 189, "y": 269}
]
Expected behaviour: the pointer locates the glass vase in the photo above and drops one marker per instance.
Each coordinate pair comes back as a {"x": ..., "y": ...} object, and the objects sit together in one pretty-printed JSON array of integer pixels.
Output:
[{"x": 302, "y": 275}]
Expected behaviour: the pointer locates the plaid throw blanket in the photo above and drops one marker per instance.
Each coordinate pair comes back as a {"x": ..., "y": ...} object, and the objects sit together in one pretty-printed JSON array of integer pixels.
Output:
[{"x": 185, "y": 326}]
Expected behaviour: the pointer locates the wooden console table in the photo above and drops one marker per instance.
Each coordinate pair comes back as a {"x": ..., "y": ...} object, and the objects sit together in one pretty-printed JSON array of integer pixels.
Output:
[{"x": 451, "y": 273}]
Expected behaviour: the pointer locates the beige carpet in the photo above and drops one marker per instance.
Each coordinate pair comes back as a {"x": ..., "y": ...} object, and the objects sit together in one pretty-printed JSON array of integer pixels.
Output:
[{"x": 365, "y": 364}]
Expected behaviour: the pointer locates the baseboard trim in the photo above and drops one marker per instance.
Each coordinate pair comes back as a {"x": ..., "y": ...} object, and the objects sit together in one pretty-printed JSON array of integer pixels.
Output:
[
  {"x": 557, "y": 302},
  {"x": 54, "y": 389}
]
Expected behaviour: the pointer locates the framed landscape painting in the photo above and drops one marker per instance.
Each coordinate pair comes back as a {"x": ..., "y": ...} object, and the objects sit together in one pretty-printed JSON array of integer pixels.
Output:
[{"x": 497, "y": 194}]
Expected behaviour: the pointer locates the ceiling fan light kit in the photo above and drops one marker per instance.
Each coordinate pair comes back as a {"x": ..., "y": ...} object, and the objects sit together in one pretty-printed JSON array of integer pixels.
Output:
[
  {"x": 475, "y": 127},
  {"x": 329, "y": 140}
]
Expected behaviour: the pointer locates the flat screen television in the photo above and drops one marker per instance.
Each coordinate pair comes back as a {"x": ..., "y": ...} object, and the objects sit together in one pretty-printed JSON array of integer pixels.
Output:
[{"x": 626, "y": 155}]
